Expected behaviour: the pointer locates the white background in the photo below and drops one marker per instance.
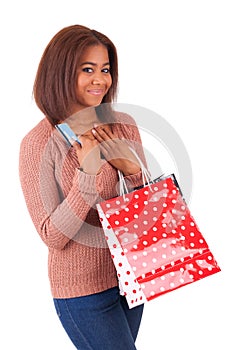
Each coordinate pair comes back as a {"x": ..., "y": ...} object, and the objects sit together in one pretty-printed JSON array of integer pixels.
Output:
[{"x": 175, "y": 58}]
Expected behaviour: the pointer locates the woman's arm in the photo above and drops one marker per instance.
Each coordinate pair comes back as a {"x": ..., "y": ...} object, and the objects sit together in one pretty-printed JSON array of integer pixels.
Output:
[{"x": 56, "y": 219}]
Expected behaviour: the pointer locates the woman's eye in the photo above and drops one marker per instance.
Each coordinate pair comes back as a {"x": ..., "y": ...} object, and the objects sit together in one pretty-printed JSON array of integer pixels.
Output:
[
  {"x": 106, "y": 70},
  {"x": 90, "y": 70},
  {"x": 87, "y": 70}
]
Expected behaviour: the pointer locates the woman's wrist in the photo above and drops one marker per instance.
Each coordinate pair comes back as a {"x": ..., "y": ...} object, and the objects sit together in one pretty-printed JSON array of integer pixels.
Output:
[
  {"x": 131, "y": 170},
  {"x": 90, "y": 171}
]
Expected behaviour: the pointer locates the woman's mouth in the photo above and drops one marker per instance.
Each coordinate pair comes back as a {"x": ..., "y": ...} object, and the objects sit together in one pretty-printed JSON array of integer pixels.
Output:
[{"x": 96, "y": 92}]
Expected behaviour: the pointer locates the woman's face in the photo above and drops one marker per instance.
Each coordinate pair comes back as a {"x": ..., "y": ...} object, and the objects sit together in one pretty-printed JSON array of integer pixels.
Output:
[{"x": 94, "y": 78}]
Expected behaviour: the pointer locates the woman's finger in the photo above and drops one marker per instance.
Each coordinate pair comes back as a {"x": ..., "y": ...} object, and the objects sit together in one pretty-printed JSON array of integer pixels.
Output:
[
  {"x": 77, "y": 146},
  {"x": 97, "y": 134},
  {"x": 102, "y": 132},
  {"x": 82, "y": 142}
]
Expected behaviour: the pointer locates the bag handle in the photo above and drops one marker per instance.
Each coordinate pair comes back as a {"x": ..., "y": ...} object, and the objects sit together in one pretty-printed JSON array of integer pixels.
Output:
[{"x": 146, "y": 176}]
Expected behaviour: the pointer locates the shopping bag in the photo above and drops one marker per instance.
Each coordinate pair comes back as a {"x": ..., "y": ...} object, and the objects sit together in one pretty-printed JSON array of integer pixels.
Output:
[{"x": 155, "y": 242}]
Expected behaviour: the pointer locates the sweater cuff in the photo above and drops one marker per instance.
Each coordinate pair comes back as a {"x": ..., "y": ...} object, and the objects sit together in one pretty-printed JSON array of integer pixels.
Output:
[
  {"x": 135, "y": 180},
  {"x": 87, "y": 183}
]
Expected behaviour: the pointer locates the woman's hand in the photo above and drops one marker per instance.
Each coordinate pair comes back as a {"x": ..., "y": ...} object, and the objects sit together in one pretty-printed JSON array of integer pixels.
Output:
[
  {"x": 116, "y": 151},
  {"x": 88, "y": 154}
]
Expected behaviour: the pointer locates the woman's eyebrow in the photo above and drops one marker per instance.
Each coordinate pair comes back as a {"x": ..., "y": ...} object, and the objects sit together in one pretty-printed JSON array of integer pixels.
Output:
[{"x": 94, "y": 64}]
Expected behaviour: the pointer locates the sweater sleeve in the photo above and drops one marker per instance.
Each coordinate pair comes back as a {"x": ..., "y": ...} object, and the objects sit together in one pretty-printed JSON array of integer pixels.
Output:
[{"x": 57, "y": 219}]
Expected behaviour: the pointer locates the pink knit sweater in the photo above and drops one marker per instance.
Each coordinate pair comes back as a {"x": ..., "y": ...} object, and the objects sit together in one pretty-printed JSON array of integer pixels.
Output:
[{"x": 61, "y": 202}]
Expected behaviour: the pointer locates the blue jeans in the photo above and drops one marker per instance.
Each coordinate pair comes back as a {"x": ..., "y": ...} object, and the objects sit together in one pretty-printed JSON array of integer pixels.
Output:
[{"x": 100, "y": 321}]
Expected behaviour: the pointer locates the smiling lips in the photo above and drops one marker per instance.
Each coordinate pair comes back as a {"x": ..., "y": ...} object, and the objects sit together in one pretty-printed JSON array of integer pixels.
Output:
[{"x": 96, "y": 92}]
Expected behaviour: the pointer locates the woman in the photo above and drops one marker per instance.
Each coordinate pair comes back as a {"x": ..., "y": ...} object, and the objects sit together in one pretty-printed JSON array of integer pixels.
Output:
[{"x": 76, "y": 81}]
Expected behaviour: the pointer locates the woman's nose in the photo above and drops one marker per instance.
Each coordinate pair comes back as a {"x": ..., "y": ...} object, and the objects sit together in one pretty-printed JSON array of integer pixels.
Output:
[{"x": 98, "y": 78}]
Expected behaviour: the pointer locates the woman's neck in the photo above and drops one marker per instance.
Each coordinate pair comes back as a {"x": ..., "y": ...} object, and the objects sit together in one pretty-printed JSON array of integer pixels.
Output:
[{"x": 83, "y": 120}]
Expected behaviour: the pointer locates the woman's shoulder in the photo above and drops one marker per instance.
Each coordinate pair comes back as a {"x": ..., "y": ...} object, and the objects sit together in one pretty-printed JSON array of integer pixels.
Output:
[
  {"x": 126, "y": 125},
  {"x": 39, "y": 134},
  {"x": 36, "y": 139},
  {"x": 124, "y": 118}
]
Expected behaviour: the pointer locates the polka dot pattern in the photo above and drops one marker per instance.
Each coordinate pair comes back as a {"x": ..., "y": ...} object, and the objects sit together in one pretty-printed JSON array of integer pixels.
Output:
[{"x": 155, "y": 242}]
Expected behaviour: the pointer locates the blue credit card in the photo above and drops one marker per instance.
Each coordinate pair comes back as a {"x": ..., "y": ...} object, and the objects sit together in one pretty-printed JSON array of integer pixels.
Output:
[{"x": 67, "y": 133}]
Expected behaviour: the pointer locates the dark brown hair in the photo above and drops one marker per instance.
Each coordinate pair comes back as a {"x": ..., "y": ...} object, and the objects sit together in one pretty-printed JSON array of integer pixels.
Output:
[{"x": 54, "y": 88}]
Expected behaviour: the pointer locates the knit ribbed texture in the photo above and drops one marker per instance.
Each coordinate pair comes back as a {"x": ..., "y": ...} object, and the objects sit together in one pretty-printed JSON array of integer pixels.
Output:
[{"x": 61, "y": 201}]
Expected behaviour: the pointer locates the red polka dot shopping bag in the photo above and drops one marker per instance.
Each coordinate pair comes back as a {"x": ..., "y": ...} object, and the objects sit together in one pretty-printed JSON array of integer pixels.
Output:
[{"x": 155, "y": 243}]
